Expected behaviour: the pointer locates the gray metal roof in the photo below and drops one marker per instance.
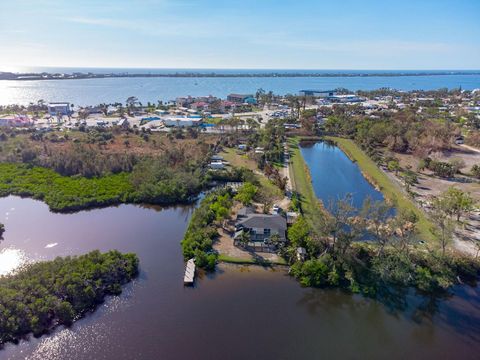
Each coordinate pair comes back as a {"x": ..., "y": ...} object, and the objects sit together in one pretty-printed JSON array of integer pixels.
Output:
[{"x": 265, "y": 221}]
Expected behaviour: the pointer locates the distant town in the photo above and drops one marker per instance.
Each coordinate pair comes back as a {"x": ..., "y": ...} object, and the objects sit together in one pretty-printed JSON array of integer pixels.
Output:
[
  {"x": 216, "y": 115},
  {"x": 195, "y": 74}
]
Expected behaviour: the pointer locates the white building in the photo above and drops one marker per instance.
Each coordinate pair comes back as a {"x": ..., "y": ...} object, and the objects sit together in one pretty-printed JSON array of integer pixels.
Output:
[
  {"x": 181, "y": 121},
  {"x": 56, "y": 108},
  {"x": 318, "y": 93},
  {"x": 218, "y": 165},
  {"x": 345, "y": 98}
]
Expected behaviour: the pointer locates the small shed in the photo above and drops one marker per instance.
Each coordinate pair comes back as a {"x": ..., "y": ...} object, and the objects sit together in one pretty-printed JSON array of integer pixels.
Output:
[
  {"x": 291, "y": 217},
  {"x": 301, "y": 254},
  {"x": 217, "y": 165}
]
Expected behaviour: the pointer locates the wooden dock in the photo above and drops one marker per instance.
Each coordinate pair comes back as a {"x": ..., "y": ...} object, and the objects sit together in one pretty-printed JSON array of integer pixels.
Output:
[{"x": 189, "y": 272}]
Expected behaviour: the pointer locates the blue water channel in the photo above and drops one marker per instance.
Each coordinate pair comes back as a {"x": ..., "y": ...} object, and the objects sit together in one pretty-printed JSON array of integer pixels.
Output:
[{"x": 334, "y": 175}]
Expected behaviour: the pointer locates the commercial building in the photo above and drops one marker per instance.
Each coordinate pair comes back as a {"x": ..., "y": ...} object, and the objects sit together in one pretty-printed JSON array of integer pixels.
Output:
[
  {"x": 59, "y": 108},
  {"x": 241, "y": 99},
  {"x": 318, "y": 93},
  {"x": 182, "y": 121}
]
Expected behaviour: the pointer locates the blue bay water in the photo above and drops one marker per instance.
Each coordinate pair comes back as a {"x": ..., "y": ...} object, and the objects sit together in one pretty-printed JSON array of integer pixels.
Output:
[{"x": 110, "y": 90}]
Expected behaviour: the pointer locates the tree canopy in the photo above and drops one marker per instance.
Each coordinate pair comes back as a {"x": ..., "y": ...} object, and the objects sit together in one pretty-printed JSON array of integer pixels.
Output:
[{"x": 44, "y": 294}]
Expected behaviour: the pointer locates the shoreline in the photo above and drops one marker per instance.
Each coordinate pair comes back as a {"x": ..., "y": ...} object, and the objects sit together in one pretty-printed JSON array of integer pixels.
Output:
[{"x": 9, "y": 76}]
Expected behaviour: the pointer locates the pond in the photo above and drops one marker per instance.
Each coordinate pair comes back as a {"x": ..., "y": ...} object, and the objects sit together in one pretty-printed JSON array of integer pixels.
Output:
[
  {"x": 334, "y": 175},
  {"x": 237, "y": 313}
]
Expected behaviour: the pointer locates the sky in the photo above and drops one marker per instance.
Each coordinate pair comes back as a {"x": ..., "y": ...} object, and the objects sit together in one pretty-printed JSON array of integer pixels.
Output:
[{"x": 257, "y": 34}]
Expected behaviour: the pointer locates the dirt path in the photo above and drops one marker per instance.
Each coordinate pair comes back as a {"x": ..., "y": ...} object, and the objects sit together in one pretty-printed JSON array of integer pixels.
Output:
[{"x": 471, "y": 148}]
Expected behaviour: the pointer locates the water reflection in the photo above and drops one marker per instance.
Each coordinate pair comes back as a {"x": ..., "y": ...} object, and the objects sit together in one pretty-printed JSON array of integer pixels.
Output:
[
  {"x": 334, "y": 175},
  {"x": 254, "y": 311},
  {"x": 11, "y": 259}
]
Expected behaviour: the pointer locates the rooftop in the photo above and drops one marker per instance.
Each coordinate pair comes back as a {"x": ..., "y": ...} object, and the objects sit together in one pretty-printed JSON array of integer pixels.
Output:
[{"x": 264, "y": 221}]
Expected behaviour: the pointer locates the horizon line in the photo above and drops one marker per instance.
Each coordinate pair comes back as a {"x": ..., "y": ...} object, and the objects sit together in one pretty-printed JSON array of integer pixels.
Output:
[{"x": 231, "y": 68}]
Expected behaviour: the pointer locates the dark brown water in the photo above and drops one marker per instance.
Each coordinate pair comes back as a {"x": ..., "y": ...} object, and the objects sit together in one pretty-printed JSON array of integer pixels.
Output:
[{"x": 238, "y": 313}]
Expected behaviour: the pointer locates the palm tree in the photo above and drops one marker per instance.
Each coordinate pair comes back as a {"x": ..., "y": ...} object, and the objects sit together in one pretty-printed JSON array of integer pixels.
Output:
[
  {"x": 276, "y": 240},
  {"x": 244, "y": 238}
]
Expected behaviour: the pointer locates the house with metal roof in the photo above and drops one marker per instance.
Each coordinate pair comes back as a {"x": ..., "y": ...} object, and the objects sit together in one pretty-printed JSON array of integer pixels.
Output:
[{"x": 261, "y": 227}]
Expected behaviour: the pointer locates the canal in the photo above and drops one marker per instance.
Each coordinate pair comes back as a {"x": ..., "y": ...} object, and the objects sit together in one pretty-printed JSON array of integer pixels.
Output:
[
  {"x": 334, "y": 175},
  {"x": 236, "y": 313}
]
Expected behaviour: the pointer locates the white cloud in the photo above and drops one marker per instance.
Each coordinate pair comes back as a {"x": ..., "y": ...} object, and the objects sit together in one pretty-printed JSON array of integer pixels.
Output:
[
  {"x": 371, "y": 47},
  {"x": 162, "y": 27}
]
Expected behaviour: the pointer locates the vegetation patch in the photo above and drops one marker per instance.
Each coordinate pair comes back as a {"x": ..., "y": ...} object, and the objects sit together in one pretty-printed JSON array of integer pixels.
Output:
[
  {"x": 150, "y": 182},
  {"x": 202, "y": 229},
  {"x": 50, "y": 293},
  {"x": 63, "y": 193},
  {"x": 363, "y": 270}
]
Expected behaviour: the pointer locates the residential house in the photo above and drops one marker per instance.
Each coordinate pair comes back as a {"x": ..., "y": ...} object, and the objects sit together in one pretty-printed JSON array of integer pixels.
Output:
[
  {"x": 184, "y": 101},
  {"x": 226, "y": 106},
  {"x": 260, "y": 227},
  {"x": 17, "y": 121},
  {"x": 199, "y": 106}
]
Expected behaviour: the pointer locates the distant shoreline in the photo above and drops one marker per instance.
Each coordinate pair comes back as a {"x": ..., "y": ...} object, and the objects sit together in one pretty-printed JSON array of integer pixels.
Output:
[{"x": 82, "y": 75}]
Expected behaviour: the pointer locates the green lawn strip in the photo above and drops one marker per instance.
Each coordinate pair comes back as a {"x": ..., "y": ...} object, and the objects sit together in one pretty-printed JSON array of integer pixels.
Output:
[
  {"x": 248, "y": 261},
  {"x": 213, "y": 120},
  {"x": 311, "y": 205},
  {"x": 373, "y": 174}
]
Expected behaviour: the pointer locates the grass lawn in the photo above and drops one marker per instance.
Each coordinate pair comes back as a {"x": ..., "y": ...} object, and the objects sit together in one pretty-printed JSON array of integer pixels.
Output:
[
  {"x": 302, "y": 183},
  {"x": 213, "y": 120},
  {"x": 248, "y": 261},
  {"x": 390, "y": 190}
]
